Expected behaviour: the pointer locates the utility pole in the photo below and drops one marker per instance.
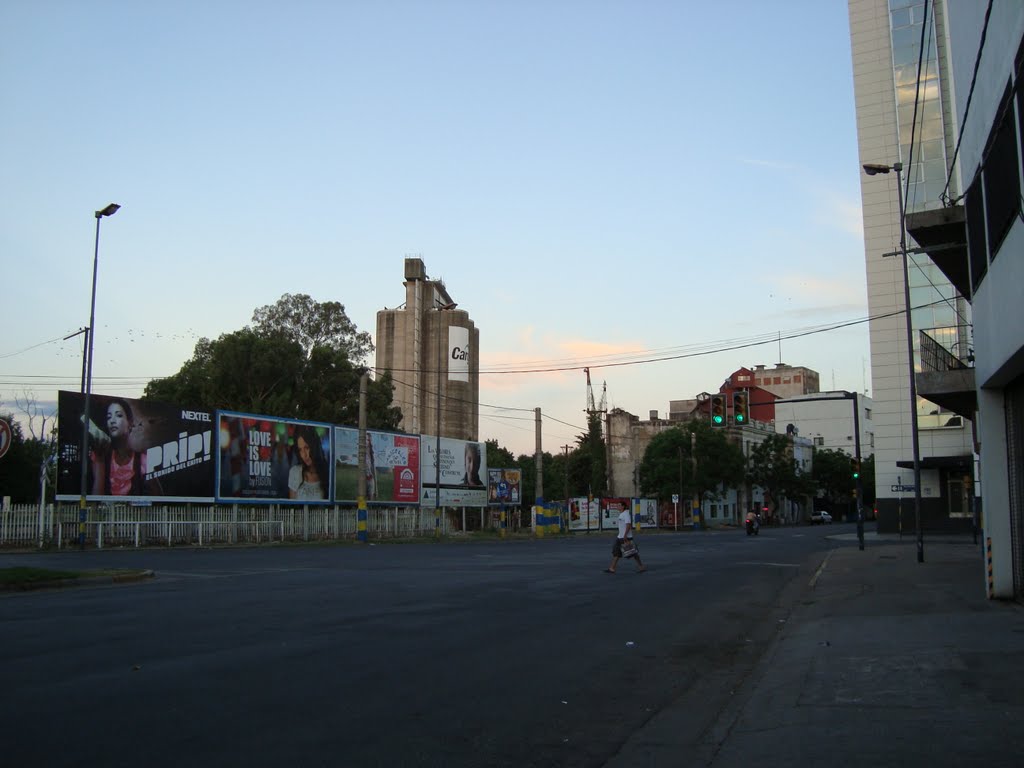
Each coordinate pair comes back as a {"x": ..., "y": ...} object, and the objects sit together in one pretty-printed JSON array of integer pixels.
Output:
[
  {"x": 361, "y": 534},
  {"x": 539, "y": 485},
  {"x": 697, "y": 511}
]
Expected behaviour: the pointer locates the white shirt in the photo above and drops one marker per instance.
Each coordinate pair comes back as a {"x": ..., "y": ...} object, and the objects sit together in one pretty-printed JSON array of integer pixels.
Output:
[{"x": 624, "y": 519}]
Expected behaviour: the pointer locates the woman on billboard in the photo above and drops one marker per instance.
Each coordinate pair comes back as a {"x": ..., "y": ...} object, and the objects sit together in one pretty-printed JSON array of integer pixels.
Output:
[
  {"x": 118, "y": 468},
  {"x": 308, "y": 479}
]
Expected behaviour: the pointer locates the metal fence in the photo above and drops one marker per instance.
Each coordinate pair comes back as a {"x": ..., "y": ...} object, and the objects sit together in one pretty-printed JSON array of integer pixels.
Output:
[{"x": 32, "y": 525}]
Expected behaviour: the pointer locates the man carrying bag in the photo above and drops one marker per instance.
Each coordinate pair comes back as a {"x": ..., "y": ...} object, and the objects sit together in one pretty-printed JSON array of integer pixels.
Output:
[{"x": 624, "y": 545}]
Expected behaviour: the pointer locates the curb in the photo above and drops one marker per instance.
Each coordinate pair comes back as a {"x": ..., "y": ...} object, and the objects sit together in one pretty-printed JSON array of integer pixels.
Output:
[{"x": 117, "y": 578}]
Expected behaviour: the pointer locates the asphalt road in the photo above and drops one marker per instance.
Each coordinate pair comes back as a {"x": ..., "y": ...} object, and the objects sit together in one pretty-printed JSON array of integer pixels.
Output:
[{"x": 513, "y": 653}]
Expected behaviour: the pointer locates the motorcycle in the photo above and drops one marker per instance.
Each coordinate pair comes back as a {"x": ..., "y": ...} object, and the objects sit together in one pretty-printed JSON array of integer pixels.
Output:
[{"x": 753, "y": 525}]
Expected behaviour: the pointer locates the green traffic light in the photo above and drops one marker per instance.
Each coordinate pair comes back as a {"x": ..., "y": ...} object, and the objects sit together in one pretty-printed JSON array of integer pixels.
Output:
[
  {"x": 739, "y": 417},
  {"x": 717, "y": 419}
]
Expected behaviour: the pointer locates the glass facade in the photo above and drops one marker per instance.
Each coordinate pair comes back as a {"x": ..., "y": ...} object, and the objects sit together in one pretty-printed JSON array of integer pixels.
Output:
[{"x": 942, "y": 311}]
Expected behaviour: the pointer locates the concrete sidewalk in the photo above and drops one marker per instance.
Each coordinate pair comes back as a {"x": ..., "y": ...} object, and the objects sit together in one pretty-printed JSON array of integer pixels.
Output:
[{"x": 881, "y": 661}]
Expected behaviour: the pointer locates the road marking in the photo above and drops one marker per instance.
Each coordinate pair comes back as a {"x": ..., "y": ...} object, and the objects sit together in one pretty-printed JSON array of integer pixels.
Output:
[
  {"x": 821, "y": 568},
  {"x": 777, "y": 565}
]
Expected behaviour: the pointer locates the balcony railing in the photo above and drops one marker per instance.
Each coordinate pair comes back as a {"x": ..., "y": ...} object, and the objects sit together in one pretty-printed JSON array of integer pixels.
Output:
[{"x": 940, "y": 348}]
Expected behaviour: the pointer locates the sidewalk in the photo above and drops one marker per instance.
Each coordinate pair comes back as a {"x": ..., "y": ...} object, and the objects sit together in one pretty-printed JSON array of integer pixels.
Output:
[{"x": 883, "y": 661}]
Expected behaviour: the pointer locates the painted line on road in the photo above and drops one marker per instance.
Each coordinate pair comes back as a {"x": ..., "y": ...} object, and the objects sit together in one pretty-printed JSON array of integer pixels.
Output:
[
  {"x": 821, "y": 568},
  {"x": 777, "y": 565}
]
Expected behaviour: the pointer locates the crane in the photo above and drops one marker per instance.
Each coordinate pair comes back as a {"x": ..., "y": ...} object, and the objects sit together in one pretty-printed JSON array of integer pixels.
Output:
[{"x": 593, "y": 409}]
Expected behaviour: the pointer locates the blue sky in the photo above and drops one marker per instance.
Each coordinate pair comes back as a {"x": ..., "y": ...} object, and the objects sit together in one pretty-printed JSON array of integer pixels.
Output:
[{"x": 592, "y": 180}]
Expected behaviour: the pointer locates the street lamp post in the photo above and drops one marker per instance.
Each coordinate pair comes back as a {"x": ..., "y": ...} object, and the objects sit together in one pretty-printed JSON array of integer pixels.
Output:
[
  {"x": 871, "y": 169},
  {"x": 110, "y": 210}
]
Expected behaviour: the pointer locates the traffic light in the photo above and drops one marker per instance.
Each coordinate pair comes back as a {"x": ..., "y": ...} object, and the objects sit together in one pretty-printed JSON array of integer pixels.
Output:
[
  {"x": 855, "y": 467},
  {"x": 740, "y": 409},
  {"x": 717, "y": 410}
]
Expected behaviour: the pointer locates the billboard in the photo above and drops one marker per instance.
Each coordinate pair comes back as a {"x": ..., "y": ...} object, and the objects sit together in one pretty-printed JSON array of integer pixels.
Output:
[
  {"x": 262, "y": 458},
  {"x": 584, "y": 514},
  {"x": 462, "y": 477},
  {"x": 458, "y": 353},
  {"x": 504, "y": 486},
  {"x": 136, "y": 450},
  {"x": 392, "y": 467},
  {"x": 645, "y": 513},
  {"x": 610, "y": 509}
]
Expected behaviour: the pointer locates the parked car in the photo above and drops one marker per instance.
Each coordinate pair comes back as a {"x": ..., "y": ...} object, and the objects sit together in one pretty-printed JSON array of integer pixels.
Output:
[{"x": 820, "y": 516}]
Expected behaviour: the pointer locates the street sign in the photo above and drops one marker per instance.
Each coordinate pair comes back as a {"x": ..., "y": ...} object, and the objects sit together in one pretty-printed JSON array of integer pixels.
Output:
[
  {"x": 675, "y": 498},
  {"x": 901, "y": 488}
]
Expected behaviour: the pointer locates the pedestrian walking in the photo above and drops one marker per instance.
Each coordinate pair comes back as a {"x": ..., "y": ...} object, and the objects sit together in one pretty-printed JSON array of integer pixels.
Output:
[{"x": 624, "y": 545}]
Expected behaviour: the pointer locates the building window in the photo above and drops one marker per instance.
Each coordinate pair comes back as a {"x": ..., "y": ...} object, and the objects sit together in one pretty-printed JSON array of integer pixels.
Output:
[
  {"x": 1001, "y": 174},
  {"x": 974, "y": 211},
  {"x": 819, "y": 440},
  {"x": 778, "y": 380},
  {"x": 867, "y": 414},
  {"x": 797, "y": 379}
]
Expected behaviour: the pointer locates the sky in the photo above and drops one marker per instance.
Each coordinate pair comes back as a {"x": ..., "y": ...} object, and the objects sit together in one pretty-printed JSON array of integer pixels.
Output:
[{"x": 660, "y": 191}]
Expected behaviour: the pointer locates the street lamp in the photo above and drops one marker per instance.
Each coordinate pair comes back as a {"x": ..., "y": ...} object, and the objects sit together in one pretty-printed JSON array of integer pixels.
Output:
[
  {"x": 437, "y": 449},
  {"x": 871, "y": 169},
  {"x": 110, "y": 210}
]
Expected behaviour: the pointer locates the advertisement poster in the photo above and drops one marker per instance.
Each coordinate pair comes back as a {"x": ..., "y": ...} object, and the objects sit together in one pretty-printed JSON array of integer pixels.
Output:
[
  {"x": 610, "y": 509},
  {"x": 645, "y": 513},
  {"x": 585, "y": 514},
  {"x": 392, "y": 467},
  {"x": 503, "y": 486},
  {"x": 458, "y": 353},
  {"x": 137, "y": 450},
  {"x": 261, "y": 458},
  {"x": 463, "y": 473}
]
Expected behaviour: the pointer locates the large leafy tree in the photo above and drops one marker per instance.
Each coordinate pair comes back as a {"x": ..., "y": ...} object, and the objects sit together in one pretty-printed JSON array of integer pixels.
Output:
[
  {"x": 773, "y": 468},
  {"x": 553, "y": 468},
  {"x": 297, "y": 361},
  {"x": 832, "y": 476},
  {"x": 498, "y": 457},
  {"x": 313, "y": 324},
  {"x": 668, "y": 464}
]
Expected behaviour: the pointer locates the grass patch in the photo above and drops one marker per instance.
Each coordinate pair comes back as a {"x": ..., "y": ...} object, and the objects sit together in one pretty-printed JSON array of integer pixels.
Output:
[
  {"x": 22, "y": 575},
  {"x": 27, "y": 578}
]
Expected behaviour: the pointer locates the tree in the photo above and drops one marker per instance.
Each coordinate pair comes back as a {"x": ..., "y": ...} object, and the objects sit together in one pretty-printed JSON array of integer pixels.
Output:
[
  {"x": 773, "y": 468},
  {"x": 833, "y": 479},
  {"x": 498, "y": 457},
  {"x": 588, "y": 467},
  {"x": 36, "y": 417},
  {"x": 19, "y": 467},
  {"x": 313, "y": 324},
  {"x": 668, "y": 467},
  {"x": 297, "y": 362}
]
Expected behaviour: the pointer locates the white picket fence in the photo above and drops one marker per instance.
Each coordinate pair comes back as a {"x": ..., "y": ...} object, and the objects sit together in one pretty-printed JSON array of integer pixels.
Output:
[{"x": 30, "y": 525}]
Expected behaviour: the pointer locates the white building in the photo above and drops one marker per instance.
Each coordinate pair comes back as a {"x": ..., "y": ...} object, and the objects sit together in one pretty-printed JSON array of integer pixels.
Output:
[
  {"x": 829, "y": 423},
  {"x": 885, "y": 37},
  {"x": 988, "y": 220}
]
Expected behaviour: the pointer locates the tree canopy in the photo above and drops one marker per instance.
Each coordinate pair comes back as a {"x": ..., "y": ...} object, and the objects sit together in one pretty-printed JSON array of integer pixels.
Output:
[
  {"x": 298, "y": 361},
  {"x": 20, "y": 466},
  {"x": 773, "y": 468},
  {"x": 668, "y": 463},
  {"x": 312, "y": 324}
]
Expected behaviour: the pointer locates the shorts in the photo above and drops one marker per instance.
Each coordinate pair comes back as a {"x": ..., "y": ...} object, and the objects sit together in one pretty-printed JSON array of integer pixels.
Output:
[{"x": 617, "y": 548}]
